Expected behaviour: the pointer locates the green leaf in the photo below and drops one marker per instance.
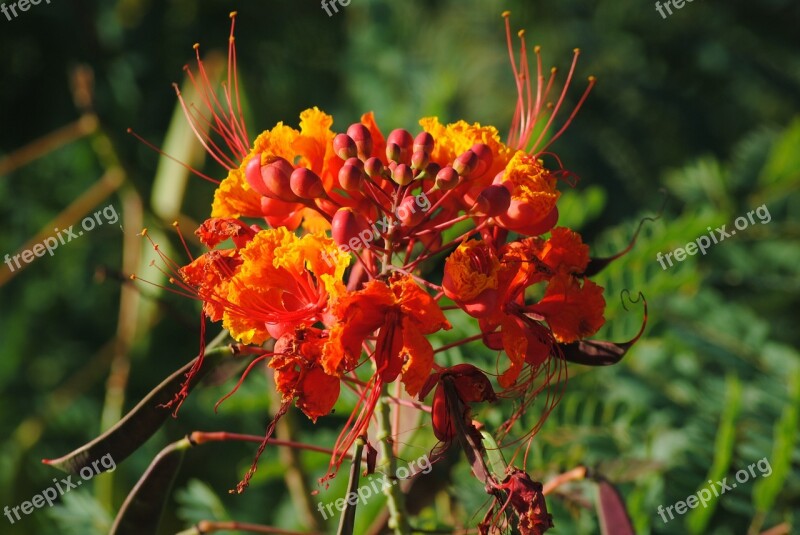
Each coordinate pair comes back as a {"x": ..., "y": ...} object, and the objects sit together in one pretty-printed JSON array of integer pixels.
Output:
[
  {"x": 697, "y": 519},
  {"x": 767, "y": 489}
]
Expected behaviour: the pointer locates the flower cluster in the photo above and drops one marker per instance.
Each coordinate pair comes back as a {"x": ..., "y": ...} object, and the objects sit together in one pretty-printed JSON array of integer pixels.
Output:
[{"x": 329, "y": 260}]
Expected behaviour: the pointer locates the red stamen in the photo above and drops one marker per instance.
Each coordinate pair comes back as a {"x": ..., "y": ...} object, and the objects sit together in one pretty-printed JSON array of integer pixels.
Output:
[{"x": 162, "y": 153}]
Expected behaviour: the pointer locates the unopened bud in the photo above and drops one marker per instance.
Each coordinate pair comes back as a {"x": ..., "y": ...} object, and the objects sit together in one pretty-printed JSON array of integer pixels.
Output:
[
  {"x": 344, "y": 146},
  {"x": 351, "y": 175},
  {"x": 409, "y": 213},
  {"x": 306, "y": 184},
  {"x": 492, "y": 201},
  {"x": 402, "y": 138},
  {"x": 423, "y": 142},
  {"x": 446, "y": 178},
  {"x": 402, "y": 174},
  {"x": 346, "y": 225},
  {"x": 485, "y": 158},
  {"x": 374, "y": 168},
  {"x": 466, "y": 163},
  {"x": 393, "y": 152},
  {"x": 252, "y": 174},
  {"x": 276, "y": 176},
  {"x": 419, "y": 159},
  {"x": 362, "y": 138}
]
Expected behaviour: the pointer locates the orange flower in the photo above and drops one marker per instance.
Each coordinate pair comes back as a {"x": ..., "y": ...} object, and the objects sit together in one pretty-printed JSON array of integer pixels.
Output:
[
  {"x": 277, "y": 282},
  {"x": 533, "y": 196},
  {"x": 404, "y": 313},
  {"x": 471, "y": 278},
  {"x": 572, "y": 310},
  {"x": 298, "y": 373}
]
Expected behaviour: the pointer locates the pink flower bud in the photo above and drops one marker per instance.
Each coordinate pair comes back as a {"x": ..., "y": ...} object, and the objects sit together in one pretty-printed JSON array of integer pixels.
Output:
[
  {"x": 423, "y": 142},
  {"x": 362, "y": 138},
  {"x": 276, "y": 176},
  {"x": 346, "y": 225},
  {"x": 409, "y": 213},
  {"x": 466, "y": 163},
  {"x": 485, "y": 158},
  {"x": 402, "y": 138},
  {"x": 306, "y": 184},
  {"x": 402, "y": 174},
  {"x": 351, "y": 175},
  {"x": 344, "y": 146},
  {"x": 419, "y": 159},
  {"x": 374, "y": 168},
  {"x": 446, "y": 178},
  {"x": 492, "y": 201}
]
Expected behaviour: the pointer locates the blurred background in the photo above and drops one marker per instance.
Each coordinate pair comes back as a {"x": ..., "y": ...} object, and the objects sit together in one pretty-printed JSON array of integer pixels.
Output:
[{"x": 699, "y": 111}]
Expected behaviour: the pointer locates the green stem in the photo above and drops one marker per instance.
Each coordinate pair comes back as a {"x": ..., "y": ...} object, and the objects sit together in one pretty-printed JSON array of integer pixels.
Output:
[
  {"x": 398, "y": 517},
  {"x": 348, "y": 520}
]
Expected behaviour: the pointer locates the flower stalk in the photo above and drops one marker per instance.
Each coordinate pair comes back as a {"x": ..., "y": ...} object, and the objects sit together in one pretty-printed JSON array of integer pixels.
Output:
[{"x": 395, "y": 499}]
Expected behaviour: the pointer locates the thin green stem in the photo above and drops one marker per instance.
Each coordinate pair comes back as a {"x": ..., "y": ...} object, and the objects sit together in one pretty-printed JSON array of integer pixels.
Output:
[
  {"x": 348, "y": 520},
  {"x": 398, "y": 517}
]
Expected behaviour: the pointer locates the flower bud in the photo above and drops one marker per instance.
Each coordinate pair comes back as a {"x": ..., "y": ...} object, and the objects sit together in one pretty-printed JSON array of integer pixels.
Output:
[
  {"x": 252, "y": 174},
  {"x": 351, "y": 175},
  {"x": 393, "y": 152},
  {"x": 466, "y": 163},
  {"x": 344, "y": 146},
  {"x": 346, "y": 225},
  {"x": 447, "y": 178},
  {"x": 423, "y": 142},
  {"x": 306, "y": 184},
  {"x": 485, "y": 158},
  {"x": 492, "y": 201},
  {"x": 276, "y": 176},
  {"x": 409, "y": 212},
  {"x": 374, "y": 168},
  {"x": 402, "y": 174},
  {"x": 402, "y": 138},
  {"x": 362, "y": 138},
  {"x": 419, "y": 159}
]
